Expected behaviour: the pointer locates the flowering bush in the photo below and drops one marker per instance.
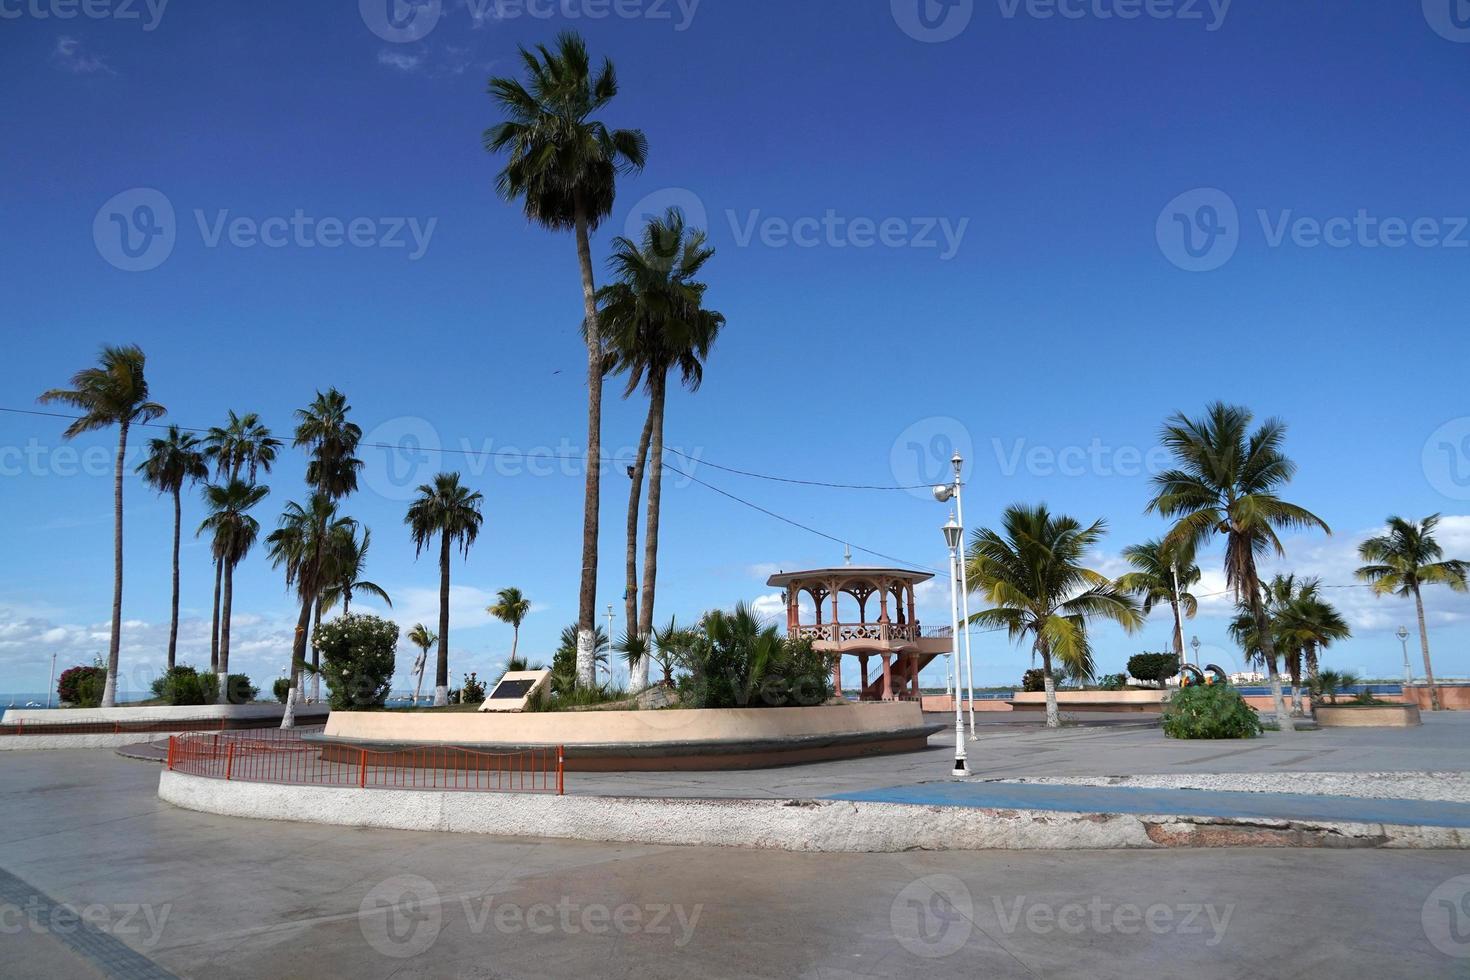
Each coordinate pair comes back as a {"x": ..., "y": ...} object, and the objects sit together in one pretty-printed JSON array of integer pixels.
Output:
[
  {"x": 357, "y": 654},
  {"x": 82, "y": 685}
]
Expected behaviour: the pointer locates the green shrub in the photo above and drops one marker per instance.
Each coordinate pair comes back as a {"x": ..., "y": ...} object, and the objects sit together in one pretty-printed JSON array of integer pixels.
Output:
[
  {"x": 1113, "y": 682},
  {"x": 240, "y": 689},
  {"x": 736, "y": 660},
  {"x": 1154, "y": 668},
  {"x": 183, "y": 685},
  {"x": 82, "y": 685},
  {"x": 357, "y": 654},
  {"x": 1210, "y": 711},
  {"x": 473, "y": 691},
  {"x": 1033, "y": 681},
  {"x": 281, "y": 688}
]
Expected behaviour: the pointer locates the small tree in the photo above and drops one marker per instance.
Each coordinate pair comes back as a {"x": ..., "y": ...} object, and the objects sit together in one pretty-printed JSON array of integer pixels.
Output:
[
  {"x": 82, "y": 685},
  {"x": 1154, "y": 668},
  {"x": 357, "y": 660}
]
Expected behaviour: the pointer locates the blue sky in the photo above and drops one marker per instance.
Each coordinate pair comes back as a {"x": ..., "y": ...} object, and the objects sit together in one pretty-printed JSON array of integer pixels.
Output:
[{"x": 1031, "y": 236}]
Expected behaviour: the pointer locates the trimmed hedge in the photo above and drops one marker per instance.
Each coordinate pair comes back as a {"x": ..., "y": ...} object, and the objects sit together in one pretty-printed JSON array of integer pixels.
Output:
[{"x": 1210, "y": 711}]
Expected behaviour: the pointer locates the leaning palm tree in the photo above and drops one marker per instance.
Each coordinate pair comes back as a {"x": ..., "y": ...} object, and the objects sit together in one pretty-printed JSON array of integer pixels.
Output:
[
  {"x": 346, "y": 563},
  {"x": 233, "y": 533},
  {"x": 1402, "y": 562},
  {"x": 1162, "y": 574},
  {"x": 450, "y": 510},
  {"x": 243, "y": 446},
  {"x": 423, "y": 638},
  {"x": 654, "y": 321},
  {"x": 1227, "y": 482},
  {"x": 563, "y": 167},
  {"x": 512, "y": 608},
  {"x": 1032, "y": 575},
  {"x": 297, "y": 545},
  {"x": 113, "y": 393},
  {"x": 172, "y": 461}
]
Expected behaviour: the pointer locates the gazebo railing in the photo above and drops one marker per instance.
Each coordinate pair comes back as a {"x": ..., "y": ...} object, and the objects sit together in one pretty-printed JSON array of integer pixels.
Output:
[{"x": 845, "y": 632}]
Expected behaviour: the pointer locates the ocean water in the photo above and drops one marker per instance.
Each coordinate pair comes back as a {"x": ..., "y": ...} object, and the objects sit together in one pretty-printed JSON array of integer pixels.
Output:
[{"x": 24, "y": 699}]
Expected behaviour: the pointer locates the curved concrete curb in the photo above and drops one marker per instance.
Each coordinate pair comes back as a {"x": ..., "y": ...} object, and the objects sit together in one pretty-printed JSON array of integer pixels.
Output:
[
  {"x": 792, "y": 825},
  {"x": 21, "y": 743}
]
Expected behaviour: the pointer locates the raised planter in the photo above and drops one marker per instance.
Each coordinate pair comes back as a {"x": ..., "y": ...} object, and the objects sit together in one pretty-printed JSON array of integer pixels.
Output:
[
  {"x": 1134, "y": 700},
  {"x": 1368, "y": 715}
]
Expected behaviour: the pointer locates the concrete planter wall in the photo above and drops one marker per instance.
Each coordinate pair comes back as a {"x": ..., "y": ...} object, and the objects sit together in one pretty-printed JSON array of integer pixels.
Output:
[
  {"x": 1130, "y": 700},
  {"x": 1368, "y": 716},
  {"x": 156, "y": 713}
]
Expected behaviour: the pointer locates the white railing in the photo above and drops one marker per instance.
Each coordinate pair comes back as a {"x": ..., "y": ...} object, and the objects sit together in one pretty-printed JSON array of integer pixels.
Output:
[{"x": 846, "y": 632}]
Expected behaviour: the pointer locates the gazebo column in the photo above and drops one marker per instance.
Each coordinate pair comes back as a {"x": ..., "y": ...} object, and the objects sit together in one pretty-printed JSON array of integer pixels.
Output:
[
  {"x": 863, "y": 660},
  {"x": 912, "y": 618},
  {"x": 887, "y": 677},
  {"x": 837, "y": 674}
]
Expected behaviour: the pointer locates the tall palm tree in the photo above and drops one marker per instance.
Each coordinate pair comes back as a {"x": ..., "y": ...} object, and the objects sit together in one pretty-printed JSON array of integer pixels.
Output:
[
  {"x": 1402, "y": 562},
  {"x": 1032, "y": 575},
  {"x": 563, "y": 167},
  {"x": 172, "y": 461},
  {"x": 511, "y": 607},
  {"x": 1226, "y": 482},
  {"x": 423, "y": 638},
  {"x": 1163, "y": 574},
  {"x": 452, "y": 511},
  {"x": 297, "y": 545},
  {"x": 654, "y": 321},
  {"x": 242, "y": 446},
  {"x": 1280, "y": 595},
  {"x": 115, "y": 392},
  {"x": 346, "y": 563},
  {"x": 234, "y": 533}
]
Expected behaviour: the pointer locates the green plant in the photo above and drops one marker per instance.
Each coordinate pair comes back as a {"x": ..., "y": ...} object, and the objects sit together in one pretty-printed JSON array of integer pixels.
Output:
[
  {"x": 181, "y": 685},
  {"x": 450, "y": 510},
  {"x": 281, "y": 688},
  {"x": 1113, "y": 682},
  {"x": 1366, "y": 699},
  {"x": 736, "y": 660},
  {"x": 69, "y": 686},
  {"x": 1153, "y": 668},
  {"x": 241, "y": 691},
  {"x": 1033, "y": 681},
  {"x": 578, "y": 699},
  {"x": 473, "y": 691},
  {"x": 357, "y": 660},
  {"x": 1329, "y": 684},
  {"x": 1209, "y": 711}
]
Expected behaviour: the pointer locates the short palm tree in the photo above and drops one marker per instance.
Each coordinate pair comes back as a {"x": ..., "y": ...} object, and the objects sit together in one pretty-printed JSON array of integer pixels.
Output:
[
  {"x": 450, "y": 510},
  {"x": 563, "y": 678},
  {"x": 1162, "y": 575},
  {"x": 172, "y": 461},
  {"x": 423, "y": 638},
  {"x": 1309, "y": 623},
  {"x": 115, "y": 392},
  {"x": 346, "y": 563},
  {"x": 654, "y": 321},
  {"x": 241, "y": 447},
  {"x": 233, "y": 533},
  {"x": 563, "y": 167},
  {"x": 1402, "y": 562},
  {"x": 512, "y": 608},
  {"x": 1032, "y": 575},
  {"x": 1226, "y": 482}
]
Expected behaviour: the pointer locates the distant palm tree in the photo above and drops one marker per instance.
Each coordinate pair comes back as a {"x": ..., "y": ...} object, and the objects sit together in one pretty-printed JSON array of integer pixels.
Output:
[
  {"x": 563, "y": 167},
  {"x": 1162, "y": 575},
  {"x": 511, "y": 607},
  {"x": 172, "y": 461},
  {"x": 452, "y": 511},
  {"x": 346, "y": 563},
  {"x": 234, "y": 533},
  {"x": 654, "y": 321},
  {"x": 1032, "y": 575},
  {"x": 297, "y": 545},
  {"x": 113, "y": 393},
  {"x": 1309, "y": 623},
  {"x": 242, "y": 446},
  {"x": 1402, "y": 562},
  {"x": 423, "y": 638},
  {"x": 1226, "y": 483}
]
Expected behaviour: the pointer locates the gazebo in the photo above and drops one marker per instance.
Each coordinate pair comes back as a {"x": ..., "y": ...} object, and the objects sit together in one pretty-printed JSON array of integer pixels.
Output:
[{"x": 892, "y": 634}]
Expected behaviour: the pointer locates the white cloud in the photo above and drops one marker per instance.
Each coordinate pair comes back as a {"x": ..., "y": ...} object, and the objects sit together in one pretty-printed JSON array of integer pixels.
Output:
[
  {"x": 70, "y": 55},
  {"x": 401, "y": 60}
]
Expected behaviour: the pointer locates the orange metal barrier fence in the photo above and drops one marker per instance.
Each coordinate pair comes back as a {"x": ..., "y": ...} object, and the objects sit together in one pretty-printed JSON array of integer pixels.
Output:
[{"x": 289, "y": 760}]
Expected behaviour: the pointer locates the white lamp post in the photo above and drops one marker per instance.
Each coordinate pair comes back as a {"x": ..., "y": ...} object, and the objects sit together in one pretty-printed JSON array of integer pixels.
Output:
[
  {"x": 52, "y": 685},
  {"x": 1194, "y": 645},
  {"x": 1403, "y": 635},
  {"x": 953, "y": 535},
  {"x": 944, "y": 494},
  {"x": 609, "y": 643}
]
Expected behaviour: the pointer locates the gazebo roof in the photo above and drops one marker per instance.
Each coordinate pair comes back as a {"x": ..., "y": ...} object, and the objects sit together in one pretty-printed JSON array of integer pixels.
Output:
[{"x": 783, "y": 579}]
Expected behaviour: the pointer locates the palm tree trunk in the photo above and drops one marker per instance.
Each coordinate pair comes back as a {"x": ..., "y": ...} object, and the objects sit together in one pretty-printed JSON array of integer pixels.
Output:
[
  {"x": 515, "y": 639},
  {"x": 298, "y": 657},
  {"x": 316, "y": 677},
  {"x": 1178, "y": 631},
  {"x": 441, "y": 671},
  {"x": 638, "y": 673},
  {"x": 219, "y": 570},
  {"x": 656, "y": 403},
  {"x": 173, "y": 619},
  {"x": 1294, "y": 665},
  {"x": 1423, "y": 645},
  {"x": 1312, "y": 662},
  {"x": 109, "y": 690},
  {"x": 226, "y": 604},
  {"x": 591, "y": 499},
  {"x": 1053, "y": 717},
  {"x": 1268, "y": 651}
]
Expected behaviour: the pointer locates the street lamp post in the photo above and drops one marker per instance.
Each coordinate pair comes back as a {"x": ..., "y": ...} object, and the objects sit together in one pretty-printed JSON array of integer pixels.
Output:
[
  {"x": 52, "y": 686},
  {"x": 953, "y": 534},
  {"x": 944, "y": 494},
  {"x": 1194, "y": 645},
  {"x": 1403, "y": 635}
]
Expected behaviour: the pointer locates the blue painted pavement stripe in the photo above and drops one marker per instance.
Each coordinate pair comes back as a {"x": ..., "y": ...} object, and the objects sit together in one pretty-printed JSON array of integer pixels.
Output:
[{"x": 1170, "y": 802}]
